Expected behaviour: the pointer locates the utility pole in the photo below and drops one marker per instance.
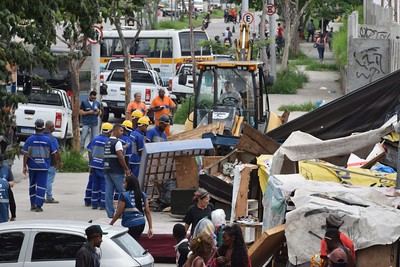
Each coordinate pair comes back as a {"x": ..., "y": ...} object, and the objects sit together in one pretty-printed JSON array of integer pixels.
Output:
[
  {"x": 245, "y": 6},
  {"x": 272, "y": 45}
]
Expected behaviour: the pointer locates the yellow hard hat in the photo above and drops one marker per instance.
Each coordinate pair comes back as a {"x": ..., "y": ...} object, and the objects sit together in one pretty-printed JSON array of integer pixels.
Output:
[
  {"x": 106, "y": 127},
  {"x": 143, "y": 121},
  {"x": 137, "y": 114},
  {"x": 127, "y": 124}
]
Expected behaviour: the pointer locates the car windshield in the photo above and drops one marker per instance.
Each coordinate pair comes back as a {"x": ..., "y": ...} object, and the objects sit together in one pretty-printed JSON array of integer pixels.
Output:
[
  {"x": 129, "y": 245},
  {"x": 45, "y": 99},
  {"x": 120, "y": 64}
]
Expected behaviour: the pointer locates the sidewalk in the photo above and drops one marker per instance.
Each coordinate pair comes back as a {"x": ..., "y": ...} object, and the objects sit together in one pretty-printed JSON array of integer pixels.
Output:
[{"x": 322, "y": 85}]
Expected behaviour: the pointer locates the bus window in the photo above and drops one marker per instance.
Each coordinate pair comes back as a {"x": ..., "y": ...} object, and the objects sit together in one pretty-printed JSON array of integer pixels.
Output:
[
  {"x": 164, "y": 45},
  {"x": 198, "y": 38},
  {"x": 107, "y": 48}
]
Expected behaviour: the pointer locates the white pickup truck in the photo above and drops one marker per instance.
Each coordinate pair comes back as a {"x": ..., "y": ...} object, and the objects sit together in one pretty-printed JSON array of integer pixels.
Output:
[
  {"x": 54, "y": 106},
  {"x": 146, "y": 82}
]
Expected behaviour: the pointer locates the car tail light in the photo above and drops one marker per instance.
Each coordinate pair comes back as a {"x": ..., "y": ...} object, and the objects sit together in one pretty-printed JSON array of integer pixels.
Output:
[
  {"x": 147, "y": 95},
  {"x": 170, "y": 85},
  {"x": 58, "y": 121},
  {"x": 101, "y": 78}
]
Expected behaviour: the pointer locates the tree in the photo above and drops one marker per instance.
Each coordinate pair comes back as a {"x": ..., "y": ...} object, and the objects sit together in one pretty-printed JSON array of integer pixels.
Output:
[
  {"x": 76, "y": 19},
  {"x": 26, "y": 34},
  {"x": 291, "y": 14},
  {"x": 113, "y": 11}
]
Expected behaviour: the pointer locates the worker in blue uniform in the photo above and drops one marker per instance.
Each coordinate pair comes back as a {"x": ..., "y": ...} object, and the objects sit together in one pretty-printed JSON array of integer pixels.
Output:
[
  {"x": 6, "y": 202},
  {"x": 115, "y": 167},
  {"x": 126, "y": 140},
  {"x": 96, "y": 187},
  {"x": 157, "y": 134},
  {"x": 138, "y": 139},
  {"x": 37, "y": 150}
]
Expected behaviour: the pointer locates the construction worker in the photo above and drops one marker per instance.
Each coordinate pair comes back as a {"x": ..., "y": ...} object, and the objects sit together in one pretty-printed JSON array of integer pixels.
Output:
[
  {"x": 137, "y": 114},
  {"x": 37, "y": 150},
  {"x": 96, "y": 187},
  {"x": 115, "y": 167},
  {"x": 138, "y": 139},
  {"x": 126, "y": 140},
  {"x": 163, "y": 105},
  {"x": 157, "y": 133},
  {"x": 136, "y": 104}
]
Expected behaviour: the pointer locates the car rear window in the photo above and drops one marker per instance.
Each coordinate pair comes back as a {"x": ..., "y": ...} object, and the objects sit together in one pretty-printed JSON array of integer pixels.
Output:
[
  {"x": 45, "y": 99},
  {"x": 129, "y": 245},
  {"x": 137, "y": 77},
  {"x": 120, "y": 64}
]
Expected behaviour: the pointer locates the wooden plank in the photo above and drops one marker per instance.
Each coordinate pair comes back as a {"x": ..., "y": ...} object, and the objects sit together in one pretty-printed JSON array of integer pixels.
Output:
[
  {"x": 186, "y": 172},
  {"x": 379, "y": 255},
  {"x": 255, "y": 142},
  {"x": 266, "y": 245},
  {"x": 215, "y": 128},
  {"x": 241, "y": 200}
]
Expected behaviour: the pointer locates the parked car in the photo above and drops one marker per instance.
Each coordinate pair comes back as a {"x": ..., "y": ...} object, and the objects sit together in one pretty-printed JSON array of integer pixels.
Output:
[
  {"x": 49, "y": 243},
  {"x": 54, "y": 106},
  {"x": 118, "y": 63}
]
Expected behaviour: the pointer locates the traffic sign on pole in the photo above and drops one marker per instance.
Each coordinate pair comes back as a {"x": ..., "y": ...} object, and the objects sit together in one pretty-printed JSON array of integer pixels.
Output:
[
  {"x": 271, "y": 9},
  {"x": 248, "y": 18},
  {"x": 98, "y": 35}
]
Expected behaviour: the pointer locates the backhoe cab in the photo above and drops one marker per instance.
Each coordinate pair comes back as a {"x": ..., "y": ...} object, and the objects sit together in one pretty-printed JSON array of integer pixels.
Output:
[{"x": 236, "y": 90}]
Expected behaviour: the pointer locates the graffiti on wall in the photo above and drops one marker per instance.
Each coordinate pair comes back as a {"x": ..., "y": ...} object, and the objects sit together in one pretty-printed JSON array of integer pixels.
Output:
[
  {"x": 369, "y": 62},
  {"x": 370, "y": 33}
]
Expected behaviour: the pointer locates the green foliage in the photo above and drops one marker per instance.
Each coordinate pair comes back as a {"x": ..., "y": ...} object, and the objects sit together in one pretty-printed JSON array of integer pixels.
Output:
[
  {"x": 318, "y": 66},
  {"x": 187, "y": 106},
  {"x": 302, "y": 107},
  {"x": 340, "y": 45},
  {"x": 74, "y": 162},
  {"x": 287, "y": 82},
  {"x": 177, "y": 24},
  {"x": 218, "y": 48}
]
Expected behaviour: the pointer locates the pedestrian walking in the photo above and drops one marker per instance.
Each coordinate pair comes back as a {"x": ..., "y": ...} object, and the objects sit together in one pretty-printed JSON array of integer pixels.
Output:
[
  {"x": 89, "y": 254},
  {"x": 133, "y": 205},
  {"x": 321, "y": 43},
  {"x": 55, "y": 162},
  {"x": 157, "y": 133},
  {"x": 310, "y": 30},
  {"x": 228, "y": 37},
  {"x": 115, "y": 167},
  {"x": 96, "y": 187},
  {"x": 279, "y": 37},
  {"x": 329, "y": 36},
  {"x": 138, "y": 139},
  {"x": 163, "y": 105},
  {"x": 136, "y": 104},
  {"x": 37, "y": 150},
  {"x": 89, "y": 111},
  {"x": 7, "y": 202}
]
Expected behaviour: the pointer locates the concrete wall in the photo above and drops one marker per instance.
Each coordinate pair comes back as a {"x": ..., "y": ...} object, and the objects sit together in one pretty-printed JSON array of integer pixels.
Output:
[
  {"x": 368, "y": 60},
  {"x": 372, "y": 48}
]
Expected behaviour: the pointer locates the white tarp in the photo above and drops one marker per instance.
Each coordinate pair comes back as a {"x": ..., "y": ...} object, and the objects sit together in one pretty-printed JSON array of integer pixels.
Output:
[
  {"x": 303, "y": 146},
  {"x": 377, "y": 224}
]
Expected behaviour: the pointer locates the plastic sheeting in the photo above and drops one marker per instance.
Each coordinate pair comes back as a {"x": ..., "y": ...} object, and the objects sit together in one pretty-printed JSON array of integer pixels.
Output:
[{"x": 377, "y": 224}]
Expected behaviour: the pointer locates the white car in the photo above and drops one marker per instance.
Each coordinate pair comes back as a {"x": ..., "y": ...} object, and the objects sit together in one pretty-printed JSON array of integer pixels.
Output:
[
  {"x": 118, "y": 63},
  {"x": 52, "y": 243}
]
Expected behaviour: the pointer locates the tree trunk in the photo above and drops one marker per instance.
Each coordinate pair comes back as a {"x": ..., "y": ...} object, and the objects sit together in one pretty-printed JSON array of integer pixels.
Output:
[{"x": 76, "y": 145}]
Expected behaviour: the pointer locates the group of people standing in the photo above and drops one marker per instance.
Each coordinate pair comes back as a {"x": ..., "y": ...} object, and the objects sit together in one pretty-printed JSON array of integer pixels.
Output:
[
  {"x": 211, "y": 242},
  {"x": 324, "y": 37},
  {"x": 114, "y": 159}
]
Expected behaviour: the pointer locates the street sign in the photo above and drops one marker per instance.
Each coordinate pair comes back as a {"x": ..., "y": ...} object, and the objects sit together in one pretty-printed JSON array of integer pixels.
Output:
[
  {"x": 98, "y": 35},
  {"x": 248, "y": 18},
  {"x": 271, "y": 9}
]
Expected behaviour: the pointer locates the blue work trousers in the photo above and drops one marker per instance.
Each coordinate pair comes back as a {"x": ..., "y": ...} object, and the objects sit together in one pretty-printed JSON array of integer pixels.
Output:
[
  {"x": 135, "y": 169},
  {"x": 114, "y": 182},
  {"x": 37, "y": 186},
  {"x": 96, "y": 189}
]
